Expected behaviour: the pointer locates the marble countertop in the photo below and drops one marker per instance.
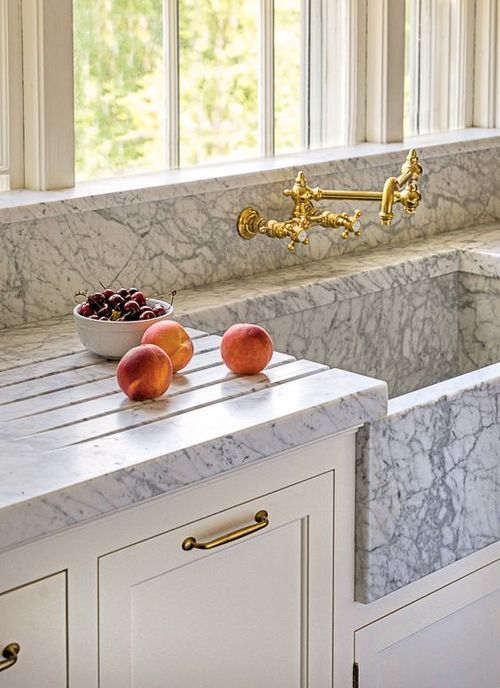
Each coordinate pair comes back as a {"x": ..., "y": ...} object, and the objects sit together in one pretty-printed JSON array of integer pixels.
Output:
[{"x": 72, "y": 447}]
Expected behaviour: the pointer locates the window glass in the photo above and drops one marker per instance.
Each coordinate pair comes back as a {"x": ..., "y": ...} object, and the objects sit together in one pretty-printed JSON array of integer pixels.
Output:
[
  {"x": 218, "y": 80},
  {"x": 287, "y": 75},
  {"x": 119, "y": 87}
]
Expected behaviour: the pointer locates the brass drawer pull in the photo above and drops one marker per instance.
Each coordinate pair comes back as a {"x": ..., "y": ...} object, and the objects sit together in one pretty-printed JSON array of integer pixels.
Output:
[
  {"x": 261, "y": 521},
  {"x": 10, "y": 652}
]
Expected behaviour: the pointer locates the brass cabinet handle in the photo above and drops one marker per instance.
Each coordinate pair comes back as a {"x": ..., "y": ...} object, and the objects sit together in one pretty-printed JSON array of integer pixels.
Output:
[
  {"x": 261, "y": 521},
  {"x": 10, "y": 652}
]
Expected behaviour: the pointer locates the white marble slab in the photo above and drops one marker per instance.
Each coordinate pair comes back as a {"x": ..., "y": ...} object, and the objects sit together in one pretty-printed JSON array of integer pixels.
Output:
[
  {"x": 72, "y": 447},
  {"x": 183, "y": 235},
  {"x": 428, "y": 482}
]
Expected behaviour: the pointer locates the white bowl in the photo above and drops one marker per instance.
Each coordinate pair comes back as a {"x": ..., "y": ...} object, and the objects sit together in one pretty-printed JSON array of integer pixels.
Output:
[{"x": 112, "y": 339}]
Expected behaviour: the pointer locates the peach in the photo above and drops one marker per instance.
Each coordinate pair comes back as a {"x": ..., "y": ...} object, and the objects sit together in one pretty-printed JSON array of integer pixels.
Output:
[
  {"x": 145, "y": 372},
  {"x": 246, "y": 349},
  {"x": 173, "y": 339}
]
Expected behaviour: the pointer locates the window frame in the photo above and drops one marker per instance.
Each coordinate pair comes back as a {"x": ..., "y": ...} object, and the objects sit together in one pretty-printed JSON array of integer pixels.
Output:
[
  {"x": 11, "y": 101},
  {"x": 353, "y": 100}
]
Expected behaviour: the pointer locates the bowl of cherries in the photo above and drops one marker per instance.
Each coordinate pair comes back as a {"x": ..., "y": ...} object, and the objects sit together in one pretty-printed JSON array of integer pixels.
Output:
[{"x": 110, "y": 322}]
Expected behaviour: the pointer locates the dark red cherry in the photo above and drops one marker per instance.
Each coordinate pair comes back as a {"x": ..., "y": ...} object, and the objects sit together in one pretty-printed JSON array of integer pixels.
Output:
[
  {"x": 108, "y": 293},
  {"x": 85, "y": 309},
  {"x": 123, "y": 293},
  {"x": 146, "y": 315},
  {"x": 140, "y": 298},
  {"x": 131, "y": 306},
  {"x": 116, "y": 301},
  {"x": 96, "y": 297}
]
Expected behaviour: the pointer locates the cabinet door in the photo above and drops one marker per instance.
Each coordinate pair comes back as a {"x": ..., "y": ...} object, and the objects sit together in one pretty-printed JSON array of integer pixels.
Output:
[
  {"x": 449, "y": 639},
  {"x": 254, "y": 612},
  {"x": 34, "y": 617}
]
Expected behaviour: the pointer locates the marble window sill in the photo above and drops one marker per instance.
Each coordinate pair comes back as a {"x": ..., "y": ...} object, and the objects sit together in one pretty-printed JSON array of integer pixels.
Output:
[{"x": 16, "y": 206}]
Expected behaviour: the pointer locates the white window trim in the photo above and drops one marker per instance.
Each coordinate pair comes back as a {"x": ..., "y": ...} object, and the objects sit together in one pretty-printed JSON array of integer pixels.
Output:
[
  {"x": 11, "y": 102},
  {"x": 486, "y": 90},
  {"x": 49, "y": 141},
  {"x": 385, "y": 71}
]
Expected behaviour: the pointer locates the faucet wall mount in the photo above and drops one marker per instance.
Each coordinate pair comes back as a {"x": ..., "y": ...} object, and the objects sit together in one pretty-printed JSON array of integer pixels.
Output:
[{"x": 305, "y": 215}]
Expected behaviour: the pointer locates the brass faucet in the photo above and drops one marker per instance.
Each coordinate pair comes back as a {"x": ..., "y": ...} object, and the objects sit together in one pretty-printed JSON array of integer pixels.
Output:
[{"x": 306, "y": 215}]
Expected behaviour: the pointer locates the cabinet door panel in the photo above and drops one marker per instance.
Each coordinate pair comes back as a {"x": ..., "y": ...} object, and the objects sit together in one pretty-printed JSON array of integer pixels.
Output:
[
  {"x": 253, "y": 612},
  {"x": 34, "y": 616},
  {"x": 449, "y": 639}
]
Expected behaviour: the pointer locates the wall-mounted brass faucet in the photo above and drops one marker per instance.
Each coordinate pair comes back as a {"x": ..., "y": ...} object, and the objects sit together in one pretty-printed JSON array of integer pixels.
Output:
[{"x": 305, "y": 215}]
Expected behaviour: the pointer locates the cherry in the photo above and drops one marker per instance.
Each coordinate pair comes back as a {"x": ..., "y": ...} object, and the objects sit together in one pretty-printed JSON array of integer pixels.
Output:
[
  {"x": 132, "y": 291},
  {"x": 96, "y": 297},
  {"x": 146, "y": 315},
  {"x": 108, "y": 293},
  {"x": 131, "y": 306},
  {"x": 159, "y": 310},
  {"x": 103, "y": 312},
  {"x": 140, "y": 298},
  {"x": 116, "y": 301},
  {"x": 85, "y": 309},
  {"x": 93, "y": 317},
  {"x": 123, "y": 293},
  {"x": 103, "y": 318}
]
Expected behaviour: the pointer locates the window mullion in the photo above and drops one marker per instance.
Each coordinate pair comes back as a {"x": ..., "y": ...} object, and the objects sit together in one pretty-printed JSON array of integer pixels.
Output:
[
  {"x": 48, "y": 94},
  {"x": 462, "y": 91},
  {"x": 355, "y": 88},
  {"x": 266, "y": 77},
  {"x": 496, "y": 94},
  {"x": 485, "y": 71},
  {"x": 4, "y": 96},
  {"x": 171, "y": 59},
  {"x": 385, "y": 71},
  {"x": 11, "y": 103}
]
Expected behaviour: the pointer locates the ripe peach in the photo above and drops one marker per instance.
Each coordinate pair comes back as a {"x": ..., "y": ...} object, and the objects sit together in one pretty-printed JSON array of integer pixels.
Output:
[
  {"x": 246, "y": 349},
  {"x": 173, "y": 339},
  {"x": 145, "y": 372}
]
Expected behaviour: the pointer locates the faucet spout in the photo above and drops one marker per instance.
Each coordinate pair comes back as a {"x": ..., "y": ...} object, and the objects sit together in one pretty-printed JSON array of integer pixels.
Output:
[{"x": 391, "y": 188}]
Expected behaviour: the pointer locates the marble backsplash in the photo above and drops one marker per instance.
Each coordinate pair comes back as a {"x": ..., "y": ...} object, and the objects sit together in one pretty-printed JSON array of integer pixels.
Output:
[{"x": 183, "y": 236}]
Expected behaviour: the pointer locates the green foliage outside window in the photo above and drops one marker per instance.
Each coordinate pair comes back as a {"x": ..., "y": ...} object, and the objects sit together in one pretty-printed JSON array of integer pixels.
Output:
[{"x": 120, "y": 83}]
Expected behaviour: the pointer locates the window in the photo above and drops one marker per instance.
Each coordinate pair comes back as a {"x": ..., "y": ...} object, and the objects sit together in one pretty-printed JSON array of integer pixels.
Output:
[
  {"x": 162, "y": 84},
  {"x": 131, "y": 86},
  {"x": 438, "y": 71}
]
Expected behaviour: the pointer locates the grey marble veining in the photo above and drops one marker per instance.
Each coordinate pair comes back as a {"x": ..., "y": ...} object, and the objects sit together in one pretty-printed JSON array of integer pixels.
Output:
[
  {"x": 89, "y": 451},
  {"x": 428, "y": 482},
  {"x": 406, "y": 336},
  {"x": 479, "y": 326},
  {"x": 183, "y": 236}
]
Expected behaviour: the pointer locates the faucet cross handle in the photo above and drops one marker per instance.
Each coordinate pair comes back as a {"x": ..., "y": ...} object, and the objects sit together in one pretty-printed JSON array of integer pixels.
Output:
[
  {"x": 300, "y": 191},
  {"x": 350, "y": 223}
]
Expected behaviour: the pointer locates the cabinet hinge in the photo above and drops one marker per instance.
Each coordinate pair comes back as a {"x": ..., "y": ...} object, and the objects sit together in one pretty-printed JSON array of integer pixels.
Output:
[{"x": 355, "y": 675}]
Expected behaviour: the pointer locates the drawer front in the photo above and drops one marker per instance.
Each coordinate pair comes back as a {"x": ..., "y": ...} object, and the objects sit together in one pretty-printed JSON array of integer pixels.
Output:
[
  {"x": 34, "y": 617},
  {"x": 256, "y": 611}
]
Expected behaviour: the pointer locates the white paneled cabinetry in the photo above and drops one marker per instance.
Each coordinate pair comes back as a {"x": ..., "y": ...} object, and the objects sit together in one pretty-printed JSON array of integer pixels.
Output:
[{"x": 120, "y": 602}]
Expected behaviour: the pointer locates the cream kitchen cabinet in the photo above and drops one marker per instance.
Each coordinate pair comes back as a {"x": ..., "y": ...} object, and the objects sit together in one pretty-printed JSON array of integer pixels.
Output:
[
  {"x": 34, "y": 618},
  {"x": 447, "y": 639},
  {"x": 254, "y": 611}
]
